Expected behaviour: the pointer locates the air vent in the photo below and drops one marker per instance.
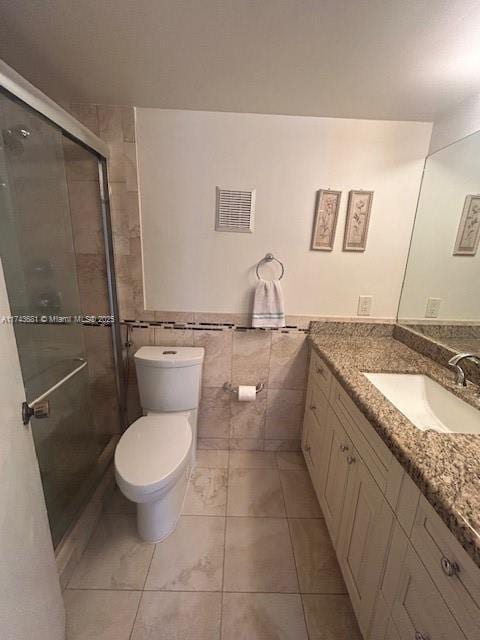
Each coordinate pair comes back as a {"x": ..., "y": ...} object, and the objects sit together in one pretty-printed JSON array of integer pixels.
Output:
[{"x": 235, "y": 210}]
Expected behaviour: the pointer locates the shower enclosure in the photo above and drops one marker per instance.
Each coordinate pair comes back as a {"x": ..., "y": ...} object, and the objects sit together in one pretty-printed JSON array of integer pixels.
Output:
[{"x": 56, "y": 250}]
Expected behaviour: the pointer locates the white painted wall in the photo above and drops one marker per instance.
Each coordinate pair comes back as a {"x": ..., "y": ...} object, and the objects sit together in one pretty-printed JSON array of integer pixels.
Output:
[
  {"x": 433, "y": 270},
  {"x": 183, "y": 155},
  {"x": 30, "y": 600},
  {"x": 456, "y": 124}
]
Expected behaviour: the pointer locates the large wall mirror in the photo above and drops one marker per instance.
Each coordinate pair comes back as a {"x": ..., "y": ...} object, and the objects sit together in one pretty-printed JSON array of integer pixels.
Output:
[{"x": 441, "y": 292}]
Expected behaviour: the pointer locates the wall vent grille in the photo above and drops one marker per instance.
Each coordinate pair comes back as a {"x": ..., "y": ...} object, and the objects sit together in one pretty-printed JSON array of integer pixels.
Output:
[{"x": 234, "y": 210}]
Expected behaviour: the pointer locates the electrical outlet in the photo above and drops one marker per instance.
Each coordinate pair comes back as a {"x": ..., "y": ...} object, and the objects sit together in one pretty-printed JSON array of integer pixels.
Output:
[
  {"x": 364, "y": 305},
  {"x": 433, "y": 307}
]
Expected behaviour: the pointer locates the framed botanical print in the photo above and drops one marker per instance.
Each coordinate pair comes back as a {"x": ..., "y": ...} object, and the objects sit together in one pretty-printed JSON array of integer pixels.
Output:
[
  {"x": 325, "y": 222},
  {"x": 468, "y": 234},
  {"x": 358, "y": 218}
]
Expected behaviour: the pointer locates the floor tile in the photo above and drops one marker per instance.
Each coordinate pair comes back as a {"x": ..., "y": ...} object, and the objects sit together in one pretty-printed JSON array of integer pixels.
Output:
[
  {"x": 317, "y": 566},
  {"x": 191, "y": 558},
  {"x": 206, "y": 493},
  {"x": 290, "y": 459},
  {"x": 255, "y": 492},
  {"x": 300, "y": 498},
  {"x": 115, "y": 557},
  {"x": 259, "y": 556},
  {"x": 178, "y": 616},
  {"x": 100, "y": 615},
  {"x": 211, "y": 459},
  {"x": 330, "y": 618},
  {"x": 252, "y": 460},
  {"x": 118, "y": 503},
  {"x": 262, "y": 616}
]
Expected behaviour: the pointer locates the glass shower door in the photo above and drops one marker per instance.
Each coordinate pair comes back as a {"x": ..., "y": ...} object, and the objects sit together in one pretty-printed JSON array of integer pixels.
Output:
[{"x": 41, "y": 272}]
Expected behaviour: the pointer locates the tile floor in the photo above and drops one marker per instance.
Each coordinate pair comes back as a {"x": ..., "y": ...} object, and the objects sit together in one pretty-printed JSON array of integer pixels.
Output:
[{"x": 250, "y": 559}]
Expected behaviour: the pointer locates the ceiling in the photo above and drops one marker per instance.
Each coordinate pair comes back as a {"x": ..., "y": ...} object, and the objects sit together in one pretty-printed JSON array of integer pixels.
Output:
[{"x": 388, "y": 59}]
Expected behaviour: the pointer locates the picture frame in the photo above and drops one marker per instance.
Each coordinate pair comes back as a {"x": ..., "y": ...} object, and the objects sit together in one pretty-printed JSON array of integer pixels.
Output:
[
  {"x": 468, "y": 234},
  {"x": 357, "y": 221},
  {"x": 325, "y": 219}
]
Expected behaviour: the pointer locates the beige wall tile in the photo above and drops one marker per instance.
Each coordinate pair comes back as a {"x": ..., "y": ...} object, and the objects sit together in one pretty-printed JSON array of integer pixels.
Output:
[
  {"x": 128, "y": 123},
  {"x": 248, "y": 418},
  {"x": 87, "y": 114},
  {"x": 92, "y": 283},
  {"x": 214, "y": 414},
  {"x": 217, "y": 365},
  {"x": 110, "y": 123},
  {"x": 130, "y": 160},
  {"x": 175, "y": 316},
  {"x": 284, "y": 414},
  {"x": 173, "y": 337},
  {"x": 288, "y": 361},
  {"x": 85, "y": 211},
  {"x": 251, "y": 356}
]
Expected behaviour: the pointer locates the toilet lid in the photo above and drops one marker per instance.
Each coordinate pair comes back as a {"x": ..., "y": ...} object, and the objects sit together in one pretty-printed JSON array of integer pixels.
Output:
[{"x": 151, "y": 449}]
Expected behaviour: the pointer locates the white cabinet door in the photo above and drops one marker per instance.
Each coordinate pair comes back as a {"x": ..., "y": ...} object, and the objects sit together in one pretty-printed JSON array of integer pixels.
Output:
[
  {"x": 418, "y": 610},
  {"x": 314, "y": 429},
  {"x": 364, "y": 538},
  {"x": 335, "y": 471}
]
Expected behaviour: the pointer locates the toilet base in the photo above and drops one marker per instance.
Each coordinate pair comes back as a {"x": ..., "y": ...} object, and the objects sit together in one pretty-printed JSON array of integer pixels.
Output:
[{"x": 156, "y": 520}]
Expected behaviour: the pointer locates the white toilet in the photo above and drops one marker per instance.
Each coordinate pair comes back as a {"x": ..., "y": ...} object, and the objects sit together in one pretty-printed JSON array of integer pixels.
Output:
[{"x": 155, "y": 455}]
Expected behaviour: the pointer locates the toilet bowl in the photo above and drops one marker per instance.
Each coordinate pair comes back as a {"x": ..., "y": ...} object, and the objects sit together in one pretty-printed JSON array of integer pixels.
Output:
[{"x": 155, "y": 455}]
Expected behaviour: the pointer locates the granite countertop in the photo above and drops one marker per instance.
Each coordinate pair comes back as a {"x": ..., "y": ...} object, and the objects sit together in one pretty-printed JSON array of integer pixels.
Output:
[{"x": 445, "y": 467}]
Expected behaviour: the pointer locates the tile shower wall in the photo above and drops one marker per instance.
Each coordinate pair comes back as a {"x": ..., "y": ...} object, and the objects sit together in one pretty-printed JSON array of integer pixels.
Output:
[
  {"x": 116, "y": 126},
  {"x": 276, "y": 358}
]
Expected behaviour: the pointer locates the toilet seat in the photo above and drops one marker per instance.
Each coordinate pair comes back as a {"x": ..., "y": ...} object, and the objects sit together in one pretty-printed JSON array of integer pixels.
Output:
[{"x": 152, "y": 453}]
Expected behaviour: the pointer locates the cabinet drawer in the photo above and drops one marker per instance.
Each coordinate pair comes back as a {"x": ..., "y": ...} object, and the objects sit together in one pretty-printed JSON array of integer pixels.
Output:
[
  {"x": 370, "y": 446},
  {"x": 455, "y": 574},
  {"x": 320, "y": 373}
]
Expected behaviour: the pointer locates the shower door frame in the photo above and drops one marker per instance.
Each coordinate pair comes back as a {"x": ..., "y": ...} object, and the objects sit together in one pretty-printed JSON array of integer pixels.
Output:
[{"x": 17, "y": 88}]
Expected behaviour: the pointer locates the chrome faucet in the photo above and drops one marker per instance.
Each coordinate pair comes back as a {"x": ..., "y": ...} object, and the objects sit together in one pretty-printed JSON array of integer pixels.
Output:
[{"x": 454, "y": 363}]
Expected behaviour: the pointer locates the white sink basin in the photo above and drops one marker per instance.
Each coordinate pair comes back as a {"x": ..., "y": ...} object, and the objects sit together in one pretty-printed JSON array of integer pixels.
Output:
[{"x": 426, "y": 403}]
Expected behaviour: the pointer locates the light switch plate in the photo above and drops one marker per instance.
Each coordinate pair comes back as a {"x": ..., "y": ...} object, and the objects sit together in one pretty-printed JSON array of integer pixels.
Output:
[
  {"x": 364, "y": 305},
  {"x": 433, "y": 307}
]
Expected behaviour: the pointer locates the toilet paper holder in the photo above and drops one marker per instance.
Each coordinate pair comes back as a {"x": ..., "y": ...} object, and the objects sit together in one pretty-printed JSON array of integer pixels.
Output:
[{"x": 227, "y": 386}]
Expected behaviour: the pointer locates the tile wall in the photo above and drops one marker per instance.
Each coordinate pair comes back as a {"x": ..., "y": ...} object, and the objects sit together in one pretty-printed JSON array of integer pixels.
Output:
[{"x": 233, "y": 353}]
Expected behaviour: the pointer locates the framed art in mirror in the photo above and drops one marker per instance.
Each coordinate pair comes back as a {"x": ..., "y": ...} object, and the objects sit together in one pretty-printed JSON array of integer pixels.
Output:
[{"x": 468, "y": 235}]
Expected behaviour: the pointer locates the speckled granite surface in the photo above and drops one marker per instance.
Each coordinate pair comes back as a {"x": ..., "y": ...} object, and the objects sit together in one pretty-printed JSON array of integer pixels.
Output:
[{"x": 445, "y": 467}]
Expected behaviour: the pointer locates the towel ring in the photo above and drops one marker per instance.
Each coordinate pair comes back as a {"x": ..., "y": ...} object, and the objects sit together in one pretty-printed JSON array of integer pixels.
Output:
[{"x": 269, "y": 257}]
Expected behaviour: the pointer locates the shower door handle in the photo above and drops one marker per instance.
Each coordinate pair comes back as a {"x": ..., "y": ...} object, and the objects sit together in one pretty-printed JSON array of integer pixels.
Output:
[{"x": 40, "y": 409}]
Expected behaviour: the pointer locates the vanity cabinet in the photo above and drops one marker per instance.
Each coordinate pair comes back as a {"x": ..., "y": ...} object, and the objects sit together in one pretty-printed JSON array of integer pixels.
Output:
[
  {"x": 407, "y": 576},
  {"x": 331, "y": 487}
]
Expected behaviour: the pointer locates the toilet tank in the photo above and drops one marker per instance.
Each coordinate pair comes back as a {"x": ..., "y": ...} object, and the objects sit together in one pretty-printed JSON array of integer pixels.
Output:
[{"x": 169, "y": 378}]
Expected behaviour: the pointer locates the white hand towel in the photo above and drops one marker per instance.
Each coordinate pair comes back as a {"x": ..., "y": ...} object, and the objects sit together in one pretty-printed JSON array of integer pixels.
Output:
[{"x": 268, "y": 307}]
